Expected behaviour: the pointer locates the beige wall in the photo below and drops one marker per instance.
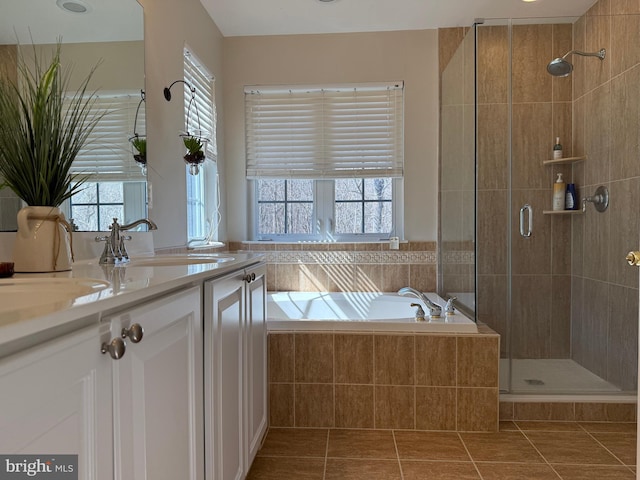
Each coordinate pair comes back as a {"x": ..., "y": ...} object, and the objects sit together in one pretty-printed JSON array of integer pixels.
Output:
[
  {"x": 169, "y": 25},
  {"x": 342, "y": 58}
]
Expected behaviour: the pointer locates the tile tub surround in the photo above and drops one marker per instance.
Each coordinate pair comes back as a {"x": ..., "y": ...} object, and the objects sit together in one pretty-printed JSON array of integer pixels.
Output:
[
  {"x": 388, "y": 381},
  {"x": 348, "y": 267},
  {"x": 520, "y": 450}
]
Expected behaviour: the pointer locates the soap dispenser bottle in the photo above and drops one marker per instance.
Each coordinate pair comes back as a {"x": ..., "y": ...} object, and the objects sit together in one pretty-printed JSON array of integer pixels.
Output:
[{"x": 559, "y": 189}]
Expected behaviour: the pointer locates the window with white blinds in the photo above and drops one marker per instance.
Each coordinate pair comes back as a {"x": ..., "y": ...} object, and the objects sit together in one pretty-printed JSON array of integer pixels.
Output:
[
  {"x": 107, "y": 155},
  {"x": 201, "y": 114},
  {"x": 348, "y": 131},
  {"x": 203, "y": 203}
]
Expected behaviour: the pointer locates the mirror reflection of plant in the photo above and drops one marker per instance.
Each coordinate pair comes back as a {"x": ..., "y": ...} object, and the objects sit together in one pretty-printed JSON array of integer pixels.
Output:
[
  {"x": 42, "y": 130},
  {"x": 140, "y": 144}
]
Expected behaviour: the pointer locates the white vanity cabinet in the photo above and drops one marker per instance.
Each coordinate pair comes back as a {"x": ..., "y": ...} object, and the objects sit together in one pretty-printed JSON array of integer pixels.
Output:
[
  {"x": 141, "y": 391},
  {"x": 56, "y": 398},
  {"x": 235, "y": 371},
  {"x": 158, "y": 390}
]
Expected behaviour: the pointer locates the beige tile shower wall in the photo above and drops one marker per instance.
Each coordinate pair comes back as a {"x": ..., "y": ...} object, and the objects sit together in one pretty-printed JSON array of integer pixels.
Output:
[
  {"x": 346, "y": 267},
  {"x": 541, "y": 111},
  {"x": 606, "y": 127},
  {"x": 365, "y": 380}
]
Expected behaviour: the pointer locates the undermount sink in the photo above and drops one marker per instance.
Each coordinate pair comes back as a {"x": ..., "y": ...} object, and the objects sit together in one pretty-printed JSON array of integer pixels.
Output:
[
  {"x": 174, "y": 260},
  {"x": 17, "y": 293}
]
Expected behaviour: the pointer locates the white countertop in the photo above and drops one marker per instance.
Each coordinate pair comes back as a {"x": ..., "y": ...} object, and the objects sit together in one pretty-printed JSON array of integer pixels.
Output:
[{"x": 26, "y": 326}]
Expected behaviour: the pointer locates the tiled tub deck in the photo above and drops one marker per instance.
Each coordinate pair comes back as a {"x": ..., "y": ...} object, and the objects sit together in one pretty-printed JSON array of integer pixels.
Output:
[{"x": 381, "y": 380}]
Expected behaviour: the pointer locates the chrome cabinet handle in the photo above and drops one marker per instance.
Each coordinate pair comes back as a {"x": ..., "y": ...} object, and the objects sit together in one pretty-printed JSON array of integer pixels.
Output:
[
  {"x": 115, "y": 348},
  {"x": 135, "y": 332},
  {"x": 249, "y": 277},
  {"x": 526, "y": 208}
]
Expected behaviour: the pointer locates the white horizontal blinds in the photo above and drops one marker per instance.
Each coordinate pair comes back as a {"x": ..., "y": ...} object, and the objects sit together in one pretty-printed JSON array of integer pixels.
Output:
[
  {"x": 107, "y": 156},
  {"x": 202, "y": 114},
  {"x": 325, "y": 132}
]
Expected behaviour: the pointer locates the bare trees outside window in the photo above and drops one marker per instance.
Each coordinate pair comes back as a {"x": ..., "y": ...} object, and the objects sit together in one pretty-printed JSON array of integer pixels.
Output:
[{"x": 349, "y": 206}]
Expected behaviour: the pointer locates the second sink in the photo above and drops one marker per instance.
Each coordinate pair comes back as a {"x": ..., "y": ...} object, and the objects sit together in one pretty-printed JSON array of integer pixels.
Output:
[{"x": 175, "y": 260}]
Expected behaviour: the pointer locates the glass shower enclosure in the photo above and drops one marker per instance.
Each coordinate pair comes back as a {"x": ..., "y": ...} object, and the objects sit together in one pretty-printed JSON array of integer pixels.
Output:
[{"x": 554, "y": 285}]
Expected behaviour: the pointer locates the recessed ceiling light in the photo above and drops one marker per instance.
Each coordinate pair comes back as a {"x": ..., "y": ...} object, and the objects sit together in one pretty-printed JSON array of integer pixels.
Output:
[
  {"x": 527, "y": 1},
  {"x": 74, "y": 6},
  {"x": 326, "y": 1}
]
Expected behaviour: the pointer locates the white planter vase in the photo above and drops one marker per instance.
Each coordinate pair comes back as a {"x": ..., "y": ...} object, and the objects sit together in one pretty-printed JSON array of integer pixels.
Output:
[{"x": 43, "y": 241}]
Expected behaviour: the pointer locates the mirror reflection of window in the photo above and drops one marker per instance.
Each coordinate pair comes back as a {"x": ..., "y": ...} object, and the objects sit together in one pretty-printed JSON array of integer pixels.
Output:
[{"x": 116, "y": 187}]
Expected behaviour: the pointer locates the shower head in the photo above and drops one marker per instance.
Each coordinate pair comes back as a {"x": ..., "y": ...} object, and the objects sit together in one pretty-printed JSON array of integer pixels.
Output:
[{"x": 559, "y": 67}]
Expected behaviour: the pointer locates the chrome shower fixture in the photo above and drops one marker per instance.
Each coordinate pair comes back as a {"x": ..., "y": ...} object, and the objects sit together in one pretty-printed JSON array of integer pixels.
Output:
[{"x": 559, "y": 67}]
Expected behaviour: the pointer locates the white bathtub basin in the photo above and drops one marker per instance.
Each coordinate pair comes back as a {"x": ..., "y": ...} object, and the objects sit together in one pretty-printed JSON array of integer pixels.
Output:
[{"x": 357, "y": 311}]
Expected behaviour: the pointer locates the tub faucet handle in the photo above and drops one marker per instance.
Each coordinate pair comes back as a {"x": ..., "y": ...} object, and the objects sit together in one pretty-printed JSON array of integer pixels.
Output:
[
  {"x": 449, "y": 309},
  {"x": 419, "y": 312}
]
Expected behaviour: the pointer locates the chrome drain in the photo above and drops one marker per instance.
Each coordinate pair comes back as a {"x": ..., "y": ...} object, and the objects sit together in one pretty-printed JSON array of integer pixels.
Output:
[{"x": 533, "y": 381}]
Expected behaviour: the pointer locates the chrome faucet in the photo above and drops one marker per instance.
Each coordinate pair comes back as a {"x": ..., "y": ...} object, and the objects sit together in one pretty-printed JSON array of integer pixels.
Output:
[
  {"x": 434, "y": 310},
  {"x": 115, "y": 250}
]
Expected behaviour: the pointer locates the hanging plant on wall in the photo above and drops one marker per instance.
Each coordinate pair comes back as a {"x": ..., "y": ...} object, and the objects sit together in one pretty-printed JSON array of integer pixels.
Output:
[
  {"x": 195, "y": 154},
  {"x": 195, "y": 142}
]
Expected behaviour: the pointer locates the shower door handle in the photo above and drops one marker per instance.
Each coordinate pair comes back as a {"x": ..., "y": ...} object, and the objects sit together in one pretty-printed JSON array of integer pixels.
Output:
[
  {"x": 526, "y": 208},
  {"x": 633, "y": 258}
]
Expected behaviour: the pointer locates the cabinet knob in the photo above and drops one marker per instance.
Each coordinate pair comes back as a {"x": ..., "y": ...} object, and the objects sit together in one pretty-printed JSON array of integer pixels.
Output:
[
  {"x": 250, "y": 277},
  {"x": 634, "y": 259},
  {"x": 135, "y": 332},
  {"x": 115, "y": 348}
]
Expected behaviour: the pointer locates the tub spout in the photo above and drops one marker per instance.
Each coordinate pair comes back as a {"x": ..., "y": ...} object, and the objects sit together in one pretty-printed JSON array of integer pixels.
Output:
[{"x": 434, "y": 310}]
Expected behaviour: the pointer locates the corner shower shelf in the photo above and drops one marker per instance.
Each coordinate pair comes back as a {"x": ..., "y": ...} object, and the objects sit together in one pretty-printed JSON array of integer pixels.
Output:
[
  {"x": 562, "y": 212},
  {"x": 562, "y": 161}
]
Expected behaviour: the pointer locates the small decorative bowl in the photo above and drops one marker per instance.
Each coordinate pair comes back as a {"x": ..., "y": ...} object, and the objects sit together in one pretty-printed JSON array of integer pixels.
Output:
[{"x": 6, "y": 269}]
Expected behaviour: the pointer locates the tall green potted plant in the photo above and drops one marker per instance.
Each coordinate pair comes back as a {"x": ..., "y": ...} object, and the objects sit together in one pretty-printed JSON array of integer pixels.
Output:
[{"x": 42, "y": 130}]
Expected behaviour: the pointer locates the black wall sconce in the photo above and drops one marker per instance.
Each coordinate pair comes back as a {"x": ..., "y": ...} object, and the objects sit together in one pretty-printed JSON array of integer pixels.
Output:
[{"x": 194, "y": 141}]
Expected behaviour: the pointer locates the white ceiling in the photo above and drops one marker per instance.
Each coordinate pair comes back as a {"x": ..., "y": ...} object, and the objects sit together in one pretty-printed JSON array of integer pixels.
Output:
[{"x": 282, "y": 17}]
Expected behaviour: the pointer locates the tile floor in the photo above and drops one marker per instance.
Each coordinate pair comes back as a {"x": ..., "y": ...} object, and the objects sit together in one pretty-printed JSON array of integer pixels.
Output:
[{"x": 520, "y": 450}]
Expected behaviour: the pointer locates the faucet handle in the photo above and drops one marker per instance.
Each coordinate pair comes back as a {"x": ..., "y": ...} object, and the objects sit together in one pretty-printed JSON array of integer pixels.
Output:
[
  {"x": 419, "y": 312},
  {"x": 123, "y": 248},
  {"x": 449, "y": 308}
]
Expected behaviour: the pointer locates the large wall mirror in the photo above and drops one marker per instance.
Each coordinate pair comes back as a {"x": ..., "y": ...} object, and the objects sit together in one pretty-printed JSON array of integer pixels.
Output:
[{"x": 110, "y": 34}]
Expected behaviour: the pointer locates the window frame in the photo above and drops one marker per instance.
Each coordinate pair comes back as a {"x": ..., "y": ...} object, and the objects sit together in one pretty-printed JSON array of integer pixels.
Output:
[{"x": 323, "y": 216}]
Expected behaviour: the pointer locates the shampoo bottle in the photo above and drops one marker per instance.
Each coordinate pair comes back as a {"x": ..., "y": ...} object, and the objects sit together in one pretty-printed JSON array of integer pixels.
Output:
[
  {"x": 571, "y": 200},
  {"x": 557, "y": 149},
  {"x": 559, "y": 192}
]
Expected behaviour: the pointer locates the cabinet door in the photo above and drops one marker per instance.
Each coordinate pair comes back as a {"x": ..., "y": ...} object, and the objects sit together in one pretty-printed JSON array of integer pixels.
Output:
[
  {"x": 224, "y": 314},
  {"x": 158, "y": 391},
  {"x": 56, "y": 398},
  {"x": 256, "y": 360}
]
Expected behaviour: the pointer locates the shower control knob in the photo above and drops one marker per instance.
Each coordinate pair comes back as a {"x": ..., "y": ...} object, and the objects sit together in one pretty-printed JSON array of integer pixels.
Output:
[{"x": 633, "y": 258}]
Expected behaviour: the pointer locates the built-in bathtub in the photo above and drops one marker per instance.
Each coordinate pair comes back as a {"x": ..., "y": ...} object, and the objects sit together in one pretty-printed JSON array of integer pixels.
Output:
[
  {"x": 366, "y": 311},
  {"x": 360, "y": 360}
]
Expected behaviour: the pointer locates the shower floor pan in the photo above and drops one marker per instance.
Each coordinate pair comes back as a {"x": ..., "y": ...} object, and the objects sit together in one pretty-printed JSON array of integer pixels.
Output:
[{"x": 551, "y": 376}]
